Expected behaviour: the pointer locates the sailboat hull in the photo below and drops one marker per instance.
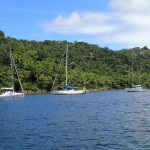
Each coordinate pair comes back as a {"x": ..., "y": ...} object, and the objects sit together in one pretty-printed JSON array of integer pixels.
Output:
[
  {"x": 68, "y": 92},
  {"x": 11, "y": 95}
]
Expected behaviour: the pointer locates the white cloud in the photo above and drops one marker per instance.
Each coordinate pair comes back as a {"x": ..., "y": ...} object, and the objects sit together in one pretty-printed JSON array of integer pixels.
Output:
[
  {"x": 80, "y": 23},
  {"x": 136, "y": 6},
  {"x": 134, "y": 22},
  {"x": 128, "y": 22}
]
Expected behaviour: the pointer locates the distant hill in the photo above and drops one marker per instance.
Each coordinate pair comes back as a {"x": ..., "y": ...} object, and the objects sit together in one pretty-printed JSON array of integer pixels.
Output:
[{"x": 89, "y": 65}]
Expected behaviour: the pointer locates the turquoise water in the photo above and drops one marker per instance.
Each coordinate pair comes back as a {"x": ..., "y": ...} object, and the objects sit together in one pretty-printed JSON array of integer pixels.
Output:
[{"x": 93, "y": 121}]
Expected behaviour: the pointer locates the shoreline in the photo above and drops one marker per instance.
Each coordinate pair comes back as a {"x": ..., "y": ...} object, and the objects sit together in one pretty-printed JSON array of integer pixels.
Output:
[{"x": 46, "y": 92}]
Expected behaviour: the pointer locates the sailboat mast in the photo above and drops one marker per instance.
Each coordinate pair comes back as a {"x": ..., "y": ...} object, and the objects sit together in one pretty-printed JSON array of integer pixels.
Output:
[
  {"x": 12, "y": 75},
  {"x": 66, "y": 64},
  {"x": 132, "y": 73}
]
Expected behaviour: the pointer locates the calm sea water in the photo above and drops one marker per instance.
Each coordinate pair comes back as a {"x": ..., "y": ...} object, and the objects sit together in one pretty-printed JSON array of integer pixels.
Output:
[{"x": 107, "y": 120}]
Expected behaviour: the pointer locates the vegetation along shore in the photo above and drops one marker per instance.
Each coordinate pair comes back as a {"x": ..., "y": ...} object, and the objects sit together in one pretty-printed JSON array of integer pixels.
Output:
[{"x": 90, "y": 65}]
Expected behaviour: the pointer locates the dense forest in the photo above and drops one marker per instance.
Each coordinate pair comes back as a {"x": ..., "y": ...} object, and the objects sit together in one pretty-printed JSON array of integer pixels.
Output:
[{"x": 89, "y": 65}]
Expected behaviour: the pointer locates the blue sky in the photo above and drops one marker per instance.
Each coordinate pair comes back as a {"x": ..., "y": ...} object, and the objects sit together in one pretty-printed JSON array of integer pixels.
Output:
[{"x": 117, "y": 24}]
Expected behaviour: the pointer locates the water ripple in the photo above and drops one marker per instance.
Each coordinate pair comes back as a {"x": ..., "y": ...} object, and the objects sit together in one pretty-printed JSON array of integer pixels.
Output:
[{"x": 106, "y": 120}]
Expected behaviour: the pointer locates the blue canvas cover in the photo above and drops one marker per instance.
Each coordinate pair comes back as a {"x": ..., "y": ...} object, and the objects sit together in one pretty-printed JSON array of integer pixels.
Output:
[{"x": 70, "y": 87}]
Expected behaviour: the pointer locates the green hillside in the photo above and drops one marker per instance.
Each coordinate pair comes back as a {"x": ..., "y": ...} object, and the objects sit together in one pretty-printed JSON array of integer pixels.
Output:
[{"x": 90, "y": 65}]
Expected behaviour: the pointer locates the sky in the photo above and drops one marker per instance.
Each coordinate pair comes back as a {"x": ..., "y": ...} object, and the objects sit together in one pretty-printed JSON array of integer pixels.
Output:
[{"x": 116, "y": 24}]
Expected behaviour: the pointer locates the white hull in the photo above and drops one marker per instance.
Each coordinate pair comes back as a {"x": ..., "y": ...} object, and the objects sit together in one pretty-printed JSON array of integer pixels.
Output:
[
  {"x": 11, "y": 95},
  {"x": 68, "y": 92},
  {"x": 135, "y": 89}
]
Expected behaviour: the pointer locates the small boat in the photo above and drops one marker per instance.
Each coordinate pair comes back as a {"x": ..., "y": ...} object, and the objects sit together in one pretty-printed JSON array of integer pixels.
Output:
[
  {"x": 69, "y": 90},
  {"x": 135, "y": 88},
  {"x": 9, "y": 92}
]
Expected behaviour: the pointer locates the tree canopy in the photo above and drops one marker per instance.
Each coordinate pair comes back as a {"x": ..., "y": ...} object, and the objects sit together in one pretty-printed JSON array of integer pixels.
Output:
[{"x": 88, "y": 65}]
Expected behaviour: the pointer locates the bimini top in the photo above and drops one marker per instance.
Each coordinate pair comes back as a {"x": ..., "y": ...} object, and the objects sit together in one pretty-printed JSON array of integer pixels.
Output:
[
  {"x": 5, "y": 88},
  {"x": 70, "y": 87}
]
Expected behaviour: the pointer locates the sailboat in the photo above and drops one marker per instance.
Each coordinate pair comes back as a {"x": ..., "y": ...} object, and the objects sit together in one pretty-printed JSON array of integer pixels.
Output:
[
  {"x": 69, "y": 90},
  {"x": 135, "y": 88},
  {"x": 9, "y": 92}
]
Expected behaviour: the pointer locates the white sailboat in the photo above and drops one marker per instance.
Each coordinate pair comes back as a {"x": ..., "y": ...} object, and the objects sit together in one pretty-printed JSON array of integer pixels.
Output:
[
  {"x": 69, "y": 90},
  {"x": 9, "y": 92}
]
